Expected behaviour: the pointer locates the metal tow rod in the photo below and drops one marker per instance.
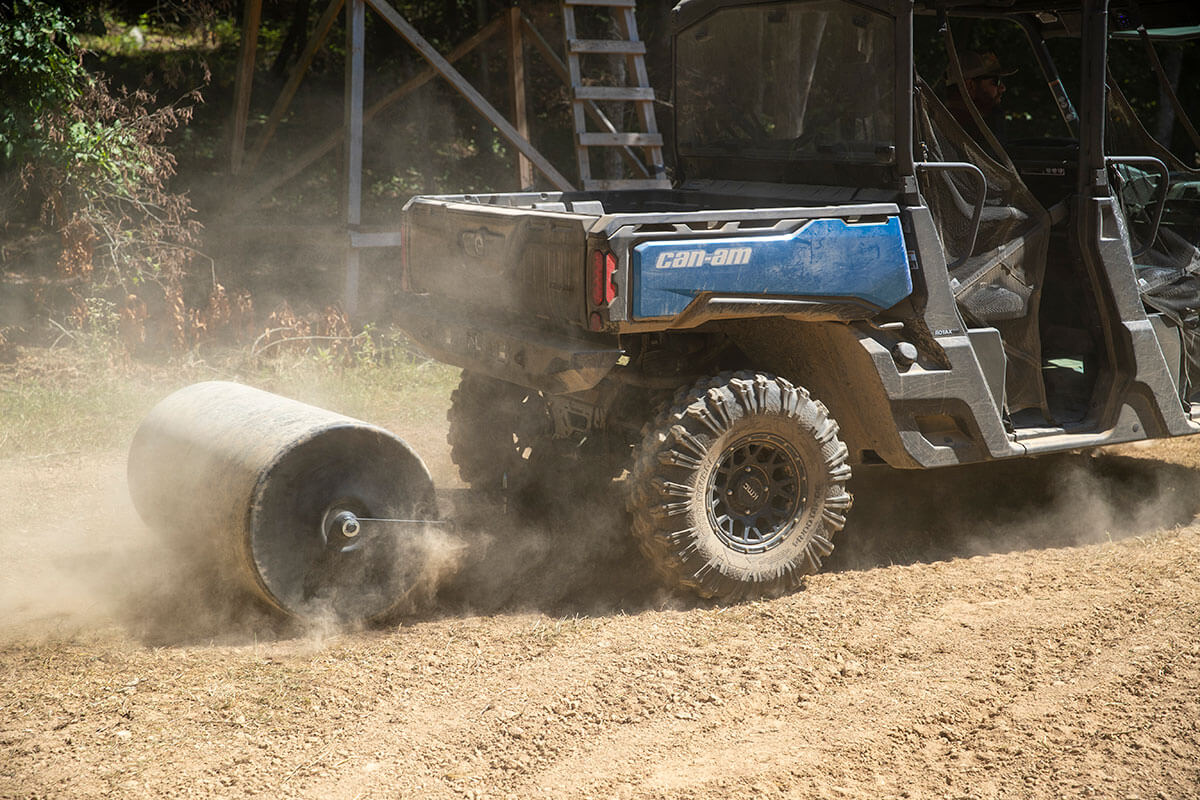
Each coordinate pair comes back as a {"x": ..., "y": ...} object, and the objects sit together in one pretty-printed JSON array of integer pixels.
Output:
[{"x": 350, "y": 524}]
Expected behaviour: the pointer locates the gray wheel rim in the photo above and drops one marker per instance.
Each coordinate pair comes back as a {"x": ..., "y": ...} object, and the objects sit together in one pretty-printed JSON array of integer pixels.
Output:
[{"x": 756, "y": 493}]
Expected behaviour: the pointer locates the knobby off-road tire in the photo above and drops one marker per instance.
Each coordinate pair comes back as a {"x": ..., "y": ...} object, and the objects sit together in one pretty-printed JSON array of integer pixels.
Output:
[
  {"x": 496, "y": 431},
  {"x": 738, "y": 489}
]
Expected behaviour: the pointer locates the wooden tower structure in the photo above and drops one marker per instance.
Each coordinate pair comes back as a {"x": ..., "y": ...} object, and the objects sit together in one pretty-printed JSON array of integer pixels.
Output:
[{"x": 641, "y": 149}]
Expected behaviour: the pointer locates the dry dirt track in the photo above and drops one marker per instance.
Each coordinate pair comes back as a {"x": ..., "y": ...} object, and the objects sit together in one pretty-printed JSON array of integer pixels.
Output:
[{"x": 1022, "y": 631}]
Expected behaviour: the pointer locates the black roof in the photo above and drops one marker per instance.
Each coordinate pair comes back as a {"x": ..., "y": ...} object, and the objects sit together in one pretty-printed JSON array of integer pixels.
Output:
[
  {"x": 689, "y": 11},
  {"x": 1155, "y": 13}
]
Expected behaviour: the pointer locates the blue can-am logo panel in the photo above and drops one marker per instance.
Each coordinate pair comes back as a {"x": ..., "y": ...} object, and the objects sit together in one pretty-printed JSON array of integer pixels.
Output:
[{"x": 827, "y": 258}]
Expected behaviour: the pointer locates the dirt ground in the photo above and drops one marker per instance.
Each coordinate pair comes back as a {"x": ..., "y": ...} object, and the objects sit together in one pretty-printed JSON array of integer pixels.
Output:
[{"x": 1018, "y": 631}]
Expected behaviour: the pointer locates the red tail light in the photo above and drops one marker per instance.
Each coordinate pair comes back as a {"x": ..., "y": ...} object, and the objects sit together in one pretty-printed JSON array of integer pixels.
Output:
[{"x": 604, "y": 287}]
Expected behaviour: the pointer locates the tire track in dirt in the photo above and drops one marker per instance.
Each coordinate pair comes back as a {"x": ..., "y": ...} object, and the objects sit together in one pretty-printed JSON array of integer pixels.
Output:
[
  {"x": 1043, "y": 668},
  {"x": 956, "y": 687},
  {"x": 857, "y": 700}
]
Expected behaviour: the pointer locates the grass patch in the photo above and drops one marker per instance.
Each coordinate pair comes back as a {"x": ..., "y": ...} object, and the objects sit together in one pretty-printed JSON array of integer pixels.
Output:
[
  {"x": 59, "y": 401},
  {"x": 80, "y": 399},
  {"x": 402, "y": 391}
]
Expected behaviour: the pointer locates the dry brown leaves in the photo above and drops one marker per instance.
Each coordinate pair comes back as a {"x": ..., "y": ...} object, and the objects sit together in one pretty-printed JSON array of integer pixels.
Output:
[
  {"x": 132, "y": 325},
  {"x": 328, "y": 330},
  {"x": 225, "y": 318},
  {"x": 78, "y": 246}
]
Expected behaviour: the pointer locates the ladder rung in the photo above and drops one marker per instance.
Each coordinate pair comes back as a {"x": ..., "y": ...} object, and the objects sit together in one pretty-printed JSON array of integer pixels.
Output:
[
  {"x": 606, "y": 46},
  {"x": 641, "y": 93},
  {"x": 621, "y": 139},
  {"x": 609, "y": 3},
  {"x": 651, "y": 183}
]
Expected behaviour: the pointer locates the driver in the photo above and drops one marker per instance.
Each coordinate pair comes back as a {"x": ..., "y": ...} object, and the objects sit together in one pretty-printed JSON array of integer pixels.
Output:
[{"x": 983, "y": 80}]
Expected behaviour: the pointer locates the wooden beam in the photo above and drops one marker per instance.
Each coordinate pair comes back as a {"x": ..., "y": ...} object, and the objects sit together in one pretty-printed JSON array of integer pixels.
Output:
[
  {"x": 610, "y": 93},
  {"x": 627, "y": 22},
  {"x": 293, "y": 83},
  {"x": 251, "y": 17},
  {"x": 516, "y": 45},
  {"x": 356, "y": 11},
  {"x": 578, "y": 113},
  {"x": 539, "y": 41},
  {"x": 621, "y": 139},
  {"x": 463, "y": 87},
  {"x": 297, "y": 165},
  {"x": 606, "y": 47}
]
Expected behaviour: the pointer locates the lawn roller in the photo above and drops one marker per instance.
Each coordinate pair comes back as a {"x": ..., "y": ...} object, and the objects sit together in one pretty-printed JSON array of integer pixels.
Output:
[{"x": 313, "y": 513}]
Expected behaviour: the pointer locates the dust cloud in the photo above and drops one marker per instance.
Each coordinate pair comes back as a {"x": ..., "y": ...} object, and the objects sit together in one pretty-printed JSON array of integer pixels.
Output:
[
  {"x": 903, "y": 517},
  {"x": 79, "y": 560},
  {"x": 571, "y": 554},
  {"x": 82, "y": 561},
  {"x": 575, "y": 555}
]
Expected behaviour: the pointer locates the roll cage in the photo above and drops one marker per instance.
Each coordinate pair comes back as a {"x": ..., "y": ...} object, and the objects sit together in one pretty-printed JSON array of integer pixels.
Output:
[
  {"x": 1091, "y": 21},
  {"x": 1062, "y": 236}
]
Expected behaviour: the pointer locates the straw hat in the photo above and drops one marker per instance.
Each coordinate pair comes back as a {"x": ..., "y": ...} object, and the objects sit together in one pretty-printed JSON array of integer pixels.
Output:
[{"x": 979, "y": 65}]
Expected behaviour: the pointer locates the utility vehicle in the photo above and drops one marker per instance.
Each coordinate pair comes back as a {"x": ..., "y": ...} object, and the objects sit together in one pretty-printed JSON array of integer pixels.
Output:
[{"x": 840, "y": 275}]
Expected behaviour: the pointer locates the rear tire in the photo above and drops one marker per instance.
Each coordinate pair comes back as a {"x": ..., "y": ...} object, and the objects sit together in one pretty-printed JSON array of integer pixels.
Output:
[
  {"x": 499, "y": 434},
  {"x": 738, "y": 489}
]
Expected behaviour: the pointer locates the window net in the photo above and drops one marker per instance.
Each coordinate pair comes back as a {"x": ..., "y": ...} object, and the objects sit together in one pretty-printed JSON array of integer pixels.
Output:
[
  {"x": 997, "y": 282},
  {"x": 1167, "y": 270}
]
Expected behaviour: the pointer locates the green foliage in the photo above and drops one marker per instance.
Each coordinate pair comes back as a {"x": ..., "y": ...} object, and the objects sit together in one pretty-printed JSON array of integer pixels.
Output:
[
  {"x": 44, "y": 84},
  {"x": 88, "y": 165},
  {"x": 81, "y": 396},
  {"x": 60, "y": 123},
  {"x": 42, "y": 74},
  {"x": 381, "y": 381},
  {"x": 71, "y": 399}
]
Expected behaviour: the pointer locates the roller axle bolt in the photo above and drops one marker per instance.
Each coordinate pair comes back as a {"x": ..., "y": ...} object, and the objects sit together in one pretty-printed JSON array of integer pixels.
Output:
[{"x": 347, "y": 523}]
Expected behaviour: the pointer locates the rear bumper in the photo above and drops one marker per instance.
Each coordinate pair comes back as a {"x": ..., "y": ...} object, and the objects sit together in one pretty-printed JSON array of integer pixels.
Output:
[{"x": 545, "y": 360}]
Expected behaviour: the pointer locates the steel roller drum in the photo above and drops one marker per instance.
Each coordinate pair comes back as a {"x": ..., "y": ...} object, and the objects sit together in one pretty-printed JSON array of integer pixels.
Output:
[{"x": 287, "y": 499}]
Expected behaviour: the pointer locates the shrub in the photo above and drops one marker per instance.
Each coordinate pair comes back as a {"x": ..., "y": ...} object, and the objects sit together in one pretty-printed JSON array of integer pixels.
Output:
[{"x": 89, "y": 162}]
